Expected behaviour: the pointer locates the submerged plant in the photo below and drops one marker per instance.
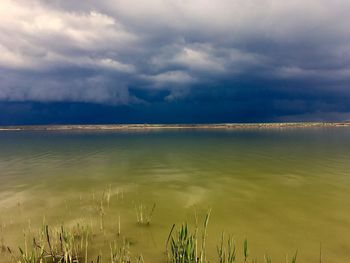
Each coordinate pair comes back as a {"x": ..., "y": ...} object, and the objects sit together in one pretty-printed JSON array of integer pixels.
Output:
[
  {"x": 3, "y": 248},
  {"x": 184, "y": 247},
  {"x": 120, "y": 254},
  {"x": 267, "y": 259},
  {"x": 294, "y": 258},
  {"x": 202, "y": 257},
  {"x": 64, "y": 246},
  {"x": 108, "y": 195},
  {"x": 144, "y": 214},
  {"x": 29, "y": 257},
  {"x": 226, "y": 253},
  {"x": 245, "y": 250},
  {"x": 102, "y": 214},
  {"x": 30, "y": 254}
]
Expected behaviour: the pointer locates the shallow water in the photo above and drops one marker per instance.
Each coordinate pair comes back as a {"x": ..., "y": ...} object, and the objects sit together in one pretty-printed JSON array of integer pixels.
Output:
[{"x": 283, "y": 190}]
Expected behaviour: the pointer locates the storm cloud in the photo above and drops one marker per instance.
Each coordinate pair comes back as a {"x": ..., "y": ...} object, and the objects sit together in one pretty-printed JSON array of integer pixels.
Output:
[{"x": 240, "y": 60}]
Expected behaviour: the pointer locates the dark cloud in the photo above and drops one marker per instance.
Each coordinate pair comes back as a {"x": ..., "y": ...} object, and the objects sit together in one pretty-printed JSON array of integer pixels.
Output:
[{"x": 182, "y": 61}]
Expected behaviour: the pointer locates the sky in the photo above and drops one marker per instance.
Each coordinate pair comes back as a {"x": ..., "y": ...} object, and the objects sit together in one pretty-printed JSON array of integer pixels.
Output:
[{"x": 174, "y": 61}]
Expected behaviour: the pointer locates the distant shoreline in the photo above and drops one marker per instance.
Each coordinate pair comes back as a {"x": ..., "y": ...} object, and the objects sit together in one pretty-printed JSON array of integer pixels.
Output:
[{"x": 117, "y": 127}]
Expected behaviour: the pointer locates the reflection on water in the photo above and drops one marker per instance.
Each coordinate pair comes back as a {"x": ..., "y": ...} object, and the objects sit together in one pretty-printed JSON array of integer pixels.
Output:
[{"x": 282, "y": 189}]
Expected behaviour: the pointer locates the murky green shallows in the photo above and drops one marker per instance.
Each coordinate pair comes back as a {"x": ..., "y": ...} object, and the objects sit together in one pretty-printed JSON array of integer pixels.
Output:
[{"x": 282, "y": 190}]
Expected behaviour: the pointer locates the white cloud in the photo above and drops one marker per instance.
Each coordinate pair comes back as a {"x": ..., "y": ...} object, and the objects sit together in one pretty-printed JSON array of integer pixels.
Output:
[
  {"x": 170, "y": 78},
  {"x": 27, "y": 27},
  {"x": 198, "y": 59}
]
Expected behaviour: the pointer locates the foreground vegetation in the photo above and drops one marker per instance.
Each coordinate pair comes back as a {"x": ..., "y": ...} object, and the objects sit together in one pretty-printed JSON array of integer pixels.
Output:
[{"x": 74, "y": 244}]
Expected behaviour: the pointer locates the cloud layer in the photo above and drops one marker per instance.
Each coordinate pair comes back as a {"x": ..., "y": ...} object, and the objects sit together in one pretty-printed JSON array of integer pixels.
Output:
[{"x": 291, "y": 56}]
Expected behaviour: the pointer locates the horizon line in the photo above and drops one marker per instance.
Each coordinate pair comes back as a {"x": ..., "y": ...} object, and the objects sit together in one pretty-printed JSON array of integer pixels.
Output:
[{"x": 150, "y": 126}]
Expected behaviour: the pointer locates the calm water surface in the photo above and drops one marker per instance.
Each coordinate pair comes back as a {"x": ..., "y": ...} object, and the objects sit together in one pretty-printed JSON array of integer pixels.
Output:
[{"x": 282, "y": 189}]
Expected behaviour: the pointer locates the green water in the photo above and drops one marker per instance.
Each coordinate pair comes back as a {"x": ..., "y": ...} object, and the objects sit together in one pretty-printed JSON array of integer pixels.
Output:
[{"x": 284, "y": 190}]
